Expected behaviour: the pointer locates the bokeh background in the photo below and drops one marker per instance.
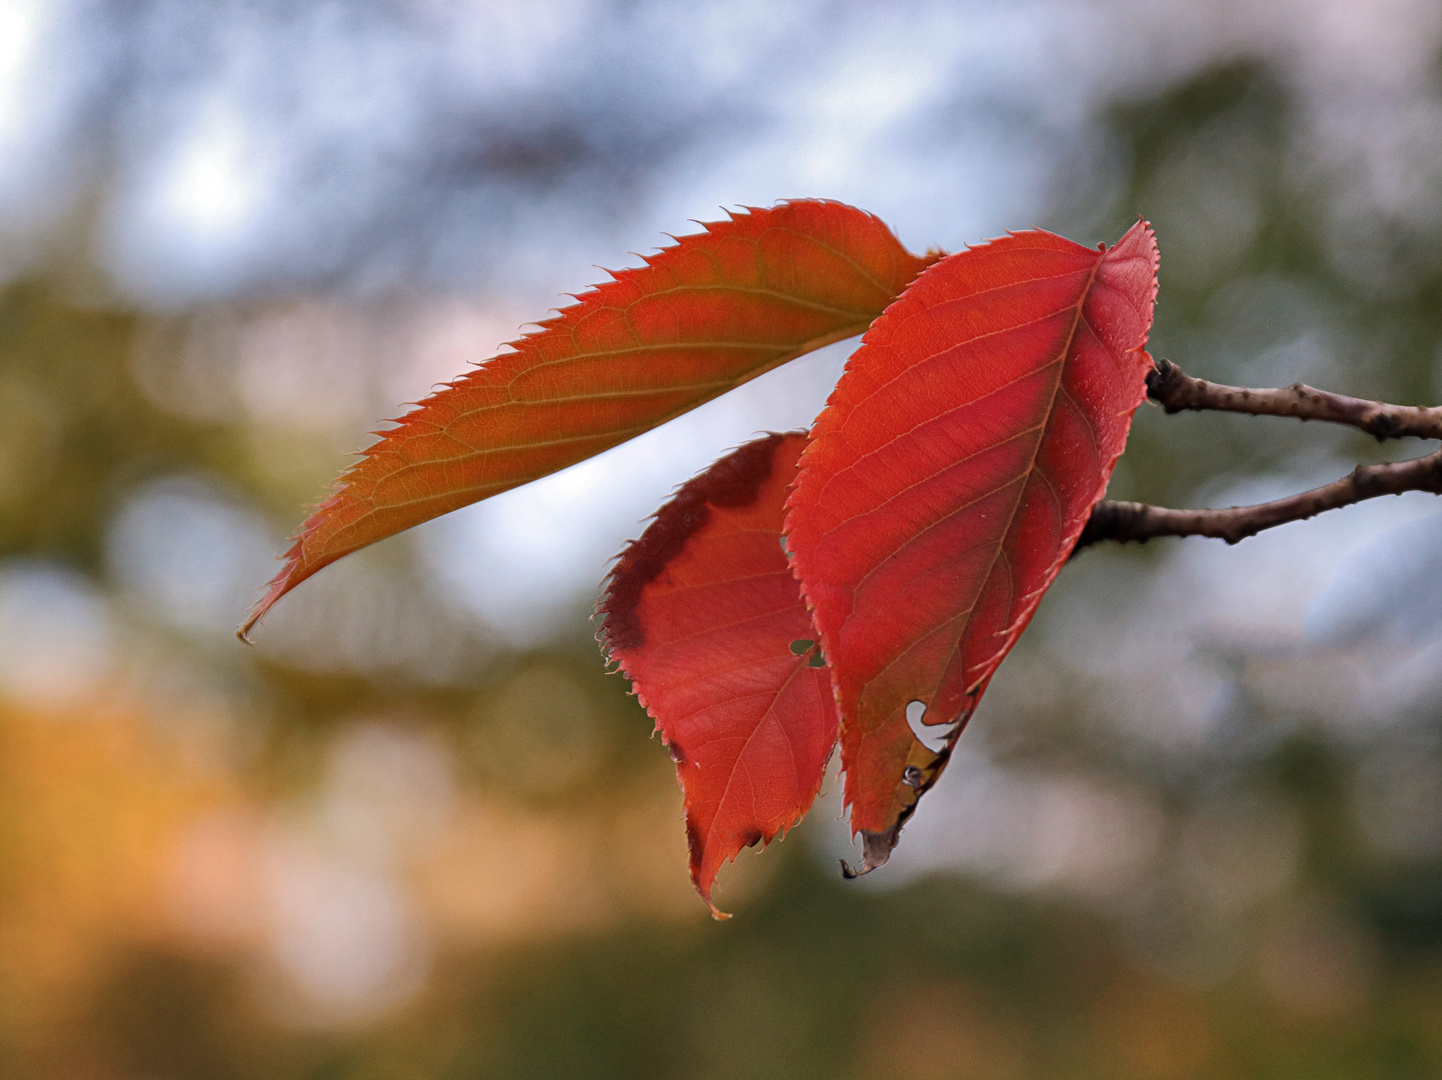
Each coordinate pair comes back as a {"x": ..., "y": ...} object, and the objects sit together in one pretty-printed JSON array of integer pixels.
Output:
[{"x": 416, "y": 831}]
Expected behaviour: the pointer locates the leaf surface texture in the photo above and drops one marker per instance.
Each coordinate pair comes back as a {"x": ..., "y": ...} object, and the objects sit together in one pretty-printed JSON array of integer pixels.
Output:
[
  {"x": 948, "y": 479},
  {"x": 704, "y": 616},
  {"x": 715, "y": 310}
]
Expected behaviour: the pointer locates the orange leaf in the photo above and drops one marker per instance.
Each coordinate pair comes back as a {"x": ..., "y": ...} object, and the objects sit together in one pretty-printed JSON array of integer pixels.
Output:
[
  {"x": 699, "y": 318},
  {"x": 948, "y": 480},
  {"x": 704, "y": 616}
]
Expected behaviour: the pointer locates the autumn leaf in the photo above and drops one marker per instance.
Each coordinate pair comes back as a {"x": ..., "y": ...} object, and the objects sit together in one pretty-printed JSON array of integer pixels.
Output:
[
  {"x": 940, "y": 492},
  {"x": 697, "y": 319},
  {"x": 947, "y": 481},
  {"x": 702, "y": 613}
]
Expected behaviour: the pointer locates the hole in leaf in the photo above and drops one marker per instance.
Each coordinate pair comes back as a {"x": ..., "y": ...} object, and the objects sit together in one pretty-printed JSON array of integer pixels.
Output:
[
  {"x": 816, "y": 661},
  {"x": 932, "y": 736},
  {"x": 801, "y": 645}
]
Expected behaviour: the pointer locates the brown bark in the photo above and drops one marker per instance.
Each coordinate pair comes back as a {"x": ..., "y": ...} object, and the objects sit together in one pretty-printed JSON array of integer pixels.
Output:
[{"x": 1175, "y": 391}]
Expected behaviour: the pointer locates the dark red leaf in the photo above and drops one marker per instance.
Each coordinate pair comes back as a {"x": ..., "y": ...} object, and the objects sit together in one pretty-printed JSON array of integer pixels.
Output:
[
  {"x": 948, "y": 480},
  {"x": 703, "y": 615}
]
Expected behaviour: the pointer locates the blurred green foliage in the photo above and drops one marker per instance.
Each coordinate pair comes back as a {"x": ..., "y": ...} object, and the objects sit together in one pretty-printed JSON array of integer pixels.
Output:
[{"x": 944, "y": 977}]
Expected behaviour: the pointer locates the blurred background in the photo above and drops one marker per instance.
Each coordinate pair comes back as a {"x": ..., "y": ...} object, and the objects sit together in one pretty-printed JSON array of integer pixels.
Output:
[{"x": 417, "y": 832}]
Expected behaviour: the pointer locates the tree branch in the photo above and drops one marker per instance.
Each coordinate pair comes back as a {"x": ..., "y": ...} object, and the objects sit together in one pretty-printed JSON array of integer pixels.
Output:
[
  {"x": 1125, "y": 522},
  {"x": 1175, "y": 391}
]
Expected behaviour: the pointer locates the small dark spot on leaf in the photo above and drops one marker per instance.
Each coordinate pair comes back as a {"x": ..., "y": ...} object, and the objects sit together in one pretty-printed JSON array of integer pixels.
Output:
[
  {"x": 677, "y": 754},
  {"x": 695, "y": 846},
  {"x": 752, "y": 838},
  {"x": 911, "y": 776}
]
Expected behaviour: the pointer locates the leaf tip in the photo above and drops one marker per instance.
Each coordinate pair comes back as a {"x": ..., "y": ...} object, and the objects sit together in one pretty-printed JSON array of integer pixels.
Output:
[
  {"x": 702, "y": 877},
  {"x": 289, "y": 576},
  {"x": 277, "y": 588},
  {"x": 876, "y": 848}
]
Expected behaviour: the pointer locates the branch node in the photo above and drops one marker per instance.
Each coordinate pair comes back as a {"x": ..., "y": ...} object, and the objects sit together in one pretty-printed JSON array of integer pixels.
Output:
[{"x": 1384, "y": 426}]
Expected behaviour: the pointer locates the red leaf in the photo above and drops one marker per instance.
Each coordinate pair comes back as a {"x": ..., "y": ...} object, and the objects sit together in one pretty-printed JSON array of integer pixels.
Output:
[
  {"x": 704, "y": 616},
  {"x": 719, "y": 308},
  {"x": 948, "y": 479}
]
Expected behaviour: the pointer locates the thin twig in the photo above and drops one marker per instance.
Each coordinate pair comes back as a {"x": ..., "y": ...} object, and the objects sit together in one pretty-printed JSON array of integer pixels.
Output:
[
  {"x": 1176, "y": 391},
  {"x": 1125, "y": 522}
]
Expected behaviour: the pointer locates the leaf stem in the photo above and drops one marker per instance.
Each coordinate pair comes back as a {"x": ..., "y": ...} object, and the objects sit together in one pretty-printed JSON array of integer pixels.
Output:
[{"x": 1127, "y": 522}]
